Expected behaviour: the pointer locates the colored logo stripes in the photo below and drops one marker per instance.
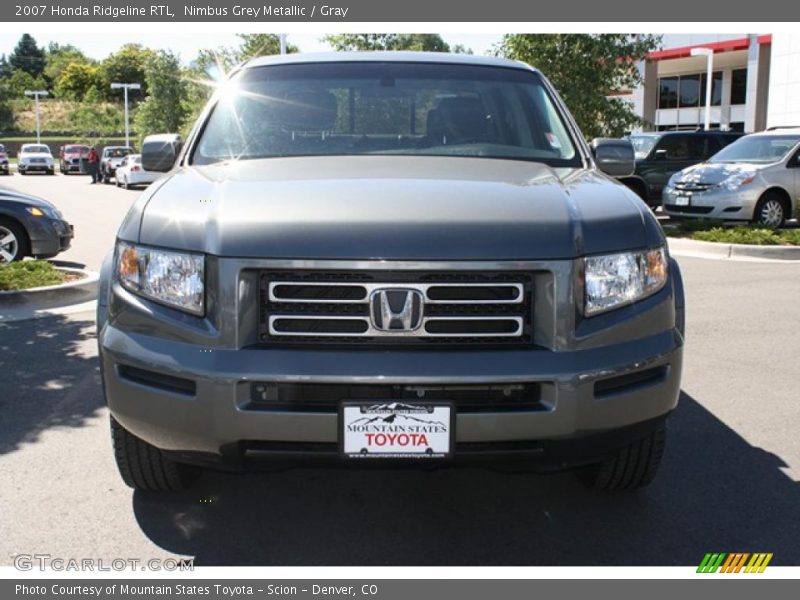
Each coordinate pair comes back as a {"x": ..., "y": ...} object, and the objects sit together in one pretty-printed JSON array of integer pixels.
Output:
[{"x": 734, "y": 562}]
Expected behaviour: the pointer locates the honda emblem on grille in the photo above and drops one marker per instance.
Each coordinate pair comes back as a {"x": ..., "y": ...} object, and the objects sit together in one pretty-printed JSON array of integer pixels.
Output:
[{"x": 396, "y": 309}]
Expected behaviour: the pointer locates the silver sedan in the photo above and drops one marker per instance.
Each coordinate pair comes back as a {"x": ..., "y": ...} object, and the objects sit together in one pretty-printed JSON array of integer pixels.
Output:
[{"x": 756, "y": 178}]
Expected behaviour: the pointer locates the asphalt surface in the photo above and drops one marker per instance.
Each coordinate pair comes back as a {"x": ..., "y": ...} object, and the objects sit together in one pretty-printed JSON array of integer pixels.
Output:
[{"x": 729, "y": 480}]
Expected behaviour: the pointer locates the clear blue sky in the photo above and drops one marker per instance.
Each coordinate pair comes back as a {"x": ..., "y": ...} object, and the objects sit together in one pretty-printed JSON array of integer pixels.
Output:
[{"x": 101, "y": 44}]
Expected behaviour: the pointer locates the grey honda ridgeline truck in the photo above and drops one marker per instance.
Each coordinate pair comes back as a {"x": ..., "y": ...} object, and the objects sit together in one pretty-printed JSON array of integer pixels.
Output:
[{"x": 389, "y": 259}]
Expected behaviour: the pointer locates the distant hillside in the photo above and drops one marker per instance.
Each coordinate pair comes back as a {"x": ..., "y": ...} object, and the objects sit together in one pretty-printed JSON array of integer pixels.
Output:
[{"x": 65, "y": 117}]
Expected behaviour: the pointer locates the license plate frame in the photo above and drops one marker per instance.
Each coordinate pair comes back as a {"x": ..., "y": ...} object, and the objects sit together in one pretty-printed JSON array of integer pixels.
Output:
[
  {"x": 419, "y": 417},
  {"x": 683, "y": 200}
]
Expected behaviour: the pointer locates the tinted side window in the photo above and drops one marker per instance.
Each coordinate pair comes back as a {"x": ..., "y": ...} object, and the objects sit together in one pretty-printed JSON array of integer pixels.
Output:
[{"x": 676, "y": 147}]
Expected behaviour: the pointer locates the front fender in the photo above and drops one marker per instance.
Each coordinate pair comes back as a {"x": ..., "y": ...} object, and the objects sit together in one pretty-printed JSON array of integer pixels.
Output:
[{"x": 103, "y": 290}]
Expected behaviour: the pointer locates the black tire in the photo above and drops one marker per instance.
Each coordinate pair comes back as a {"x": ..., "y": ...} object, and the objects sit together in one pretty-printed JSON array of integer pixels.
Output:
[
  {"x": 770, "y": 200},
  {"x": 23, "y": 248},
  {"x": 633, "y": 467},
  {"x": 51, "y": 172},
  {"x": 145, "y": 467}
]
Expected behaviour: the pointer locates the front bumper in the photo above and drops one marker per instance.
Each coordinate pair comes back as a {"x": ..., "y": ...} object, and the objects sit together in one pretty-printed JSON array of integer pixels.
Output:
[
  {"x": 216, "y": 422},
  {"x": 49, "y": 237},
  {"x": 35, "y": 167},
  {"x": 716, "y": 203}
]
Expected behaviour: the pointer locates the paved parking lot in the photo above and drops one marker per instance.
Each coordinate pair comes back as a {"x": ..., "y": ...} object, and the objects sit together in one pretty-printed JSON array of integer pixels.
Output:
[
  {"x": 729, "y": 481},
  {"x": 95, "y": 210}
]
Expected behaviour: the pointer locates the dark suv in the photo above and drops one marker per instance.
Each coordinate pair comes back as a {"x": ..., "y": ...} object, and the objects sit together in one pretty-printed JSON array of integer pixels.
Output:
[
  {"x": 660, "y": 155},
  {"x": 383, "y": 258}
]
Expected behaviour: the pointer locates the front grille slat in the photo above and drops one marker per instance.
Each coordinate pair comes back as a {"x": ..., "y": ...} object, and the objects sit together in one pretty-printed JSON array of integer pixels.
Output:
[{"x": 343, "y": 307}]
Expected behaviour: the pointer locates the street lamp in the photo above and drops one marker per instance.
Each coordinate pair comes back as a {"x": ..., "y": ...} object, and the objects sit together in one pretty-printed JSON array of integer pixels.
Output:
[
  {"x": 126, "y": 87},
  {"x": 282, "y": 38},
  {"x": 36, "y": 94},
  {"x": 709, "y": 54}
]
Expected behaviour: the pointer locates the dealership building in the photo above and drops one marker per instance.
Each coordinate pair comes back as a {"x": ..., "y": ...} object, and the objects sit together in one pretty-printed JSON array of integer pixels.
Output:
[{"x": 755, "y": 82}]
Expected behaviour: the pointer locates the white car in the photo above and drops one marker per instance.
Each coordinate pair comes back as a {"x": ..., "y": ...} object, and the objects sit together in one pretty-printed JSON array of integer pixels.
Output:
[
  {"x": 130, "y": 172},
  {"x": 35, "y": 157},
  {"x": 756, "y": 178}
]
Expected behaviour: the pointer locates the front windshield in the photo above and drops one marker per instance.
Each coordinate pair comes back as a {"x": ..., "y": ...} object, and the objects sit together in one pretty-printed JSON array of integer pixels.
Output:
[
  {"x": 642, "y": 144},
  {"x": 757, "y": 149},
  {"x": 36, "y": 149},
  {"x": 74, "y": 149},
  {"x": 362, "y": 108},
  {"x": 118, "y": 152}
]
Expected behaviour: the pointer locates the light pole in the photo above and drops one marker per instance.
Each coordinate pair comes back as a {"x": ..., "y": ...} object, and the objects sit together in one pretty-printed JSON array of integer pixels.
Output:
[
  {"x": 282, "y": 38},
  {"x": 36, "y": 94},
  {"x": 709, "y": 54},
  {"x": 126, "y": 87}
]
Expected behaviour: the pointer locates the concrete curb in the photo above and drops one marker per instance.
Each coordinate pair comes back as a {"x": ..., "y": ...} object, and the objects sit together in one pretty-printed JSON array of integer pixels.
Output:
[
  {"x": 65, "y": 294},
  {"x": 716, "y": 250}
]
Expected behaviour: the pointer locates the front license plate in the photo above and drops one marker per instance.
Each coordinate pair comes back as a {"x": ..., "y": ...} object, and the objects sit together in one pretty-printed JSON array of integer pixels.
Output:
[
  {"x": 682, "y": 200},
  {"x": 396, "y": 430}
]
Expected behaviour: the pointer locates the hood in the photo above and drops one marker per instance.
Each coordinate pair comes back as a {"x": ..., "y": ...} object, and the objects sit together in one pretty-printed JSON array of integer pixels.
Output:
[
  {"x": 714, "y": 173},
  {"x": 377, "y": 207},
  {"x": 35, "y": 155},
  {"x": 9, "y": 195}
]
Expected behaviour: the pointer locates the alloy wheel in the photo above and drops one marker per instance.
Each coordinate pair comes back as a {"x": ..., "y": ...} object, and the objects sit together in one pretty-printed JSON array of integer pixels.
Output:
[
  {"x": 9, "y": 245},
  {"x": 771, "y": 213}
]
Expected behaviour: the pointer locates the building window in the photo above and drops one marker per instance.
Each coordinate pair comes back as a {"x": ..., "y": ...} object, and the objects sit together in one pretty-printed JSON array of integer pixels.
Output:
[
  {"x": 739, "y": 86},
  {"x": 737, "y": 126},
  {"x": 668, "y": 92},
  {"x": 689, "y": 91},
  {"x": 716, "y": 89}
]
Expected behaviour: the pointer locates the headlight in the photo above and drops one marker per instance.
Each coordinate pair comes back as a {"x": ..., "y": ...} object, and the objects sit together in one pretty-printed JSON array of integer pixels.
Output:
[
  {"x": 172, "y": 278},
  {"x": 38, "y": 211},
  {"x": 734, "y": 182},
  {"x": 614, "y": 280}
]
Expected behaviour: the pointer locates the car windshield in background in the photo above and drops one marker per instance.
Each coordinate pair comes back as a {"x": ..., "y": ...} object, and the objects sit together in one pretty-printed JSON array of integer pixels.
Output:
[
  {"x": 757, "y": 149},
  {"x": 118, "y": 152},
  {"x": 76, "y": 149},
  {"x": 390, "y": 108},
  {"x": 643, "y": 144},
  {"x": 36, "y": 149}
]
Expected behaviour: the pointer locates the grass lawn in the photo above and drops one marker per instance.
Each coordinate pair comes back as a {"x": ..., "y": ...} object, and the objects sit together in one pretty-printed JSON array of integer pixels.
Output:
[
  {"x": 707, "y": 230},
  {"x": 26, "y": 274}
]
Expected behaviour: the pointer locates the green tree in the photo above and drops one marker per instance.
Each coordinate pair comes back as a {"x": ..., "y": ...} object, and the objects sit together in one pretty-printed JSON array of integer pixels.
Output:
[
  {"x": 260, "y": 44},
  {"x": 20, "y": 80},
  {"x": 77, "y": 79},
  {"x": 127, "y": 65},
  {"x": 5, "y": 68},
  {"x": 59, "y": 56},
  {"x": 164, "y": 109},
  {"x": 27, "y": 56},
  {"x": 427, "y": 42},
  {"x": 587, "y": 70}
]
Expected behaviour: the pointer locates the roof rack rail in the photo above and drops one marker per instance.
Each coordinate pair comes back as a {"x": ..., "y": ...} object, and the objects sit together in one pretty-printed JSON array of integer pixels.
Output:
[{"x": 777, "y": 127}]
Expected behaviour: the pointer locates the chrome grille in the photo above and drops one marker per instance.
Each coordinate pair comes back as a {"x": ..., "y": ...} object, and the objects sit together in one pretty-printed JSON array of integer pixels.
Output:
[
  {"x": 347, "y": 307},
  {"x": 694, "y": 187}
]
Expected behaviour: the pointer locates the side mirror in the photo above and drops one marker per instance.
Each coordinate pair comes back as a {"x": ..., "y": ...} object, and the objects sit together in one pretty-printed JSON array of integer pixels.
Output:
[
  {"x": 614, "y": 157},
  {"x": 159, "y": 152},
  {"x": 660, "y": 155}
]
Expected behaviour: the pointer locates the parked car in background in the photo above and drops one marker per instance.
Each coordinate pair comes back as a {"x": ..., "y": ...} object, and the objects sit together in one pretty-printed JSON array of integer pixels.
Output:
[
  {"x": 449, "y": 278},
  {"x": 4, "y": 168},
  {"x": 71, "y": 158},
  {"x": 30, "y": 226},
  {"x": 660, "y": 155},
  {"x": 130, "y": 173},
  {"x": 35, "y": 158},
  {"x": 110, "y": 159},
  {"x": 757, "y": 178}
]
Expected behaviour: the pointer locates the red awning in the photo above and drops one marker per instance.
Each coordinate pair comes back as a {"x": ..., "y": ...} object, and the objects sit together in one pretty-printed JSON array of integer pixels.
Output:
[{"x": 717, "y": 47}]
